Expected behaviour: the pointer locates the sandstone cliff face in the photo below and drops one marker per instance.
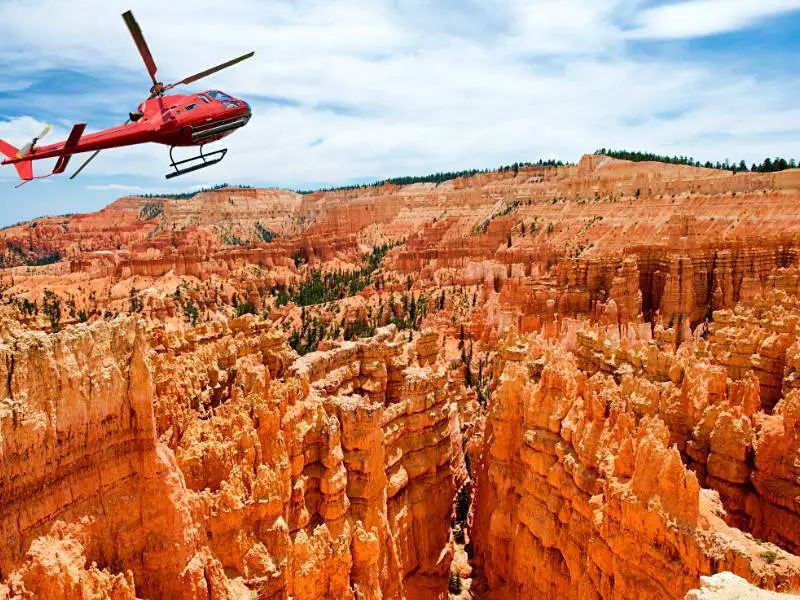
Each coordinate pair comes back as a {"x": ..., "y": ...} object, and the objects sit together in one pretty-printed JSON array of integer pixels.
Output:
[
  {"x": 580, "y": 494},
  {"x": 226, "y": 214},
  {"x": 337, "y": 474},
  {"x": 717, "y": 397},
  {"x": 666, "y": 241},
  {"x": 226, "y": 467},
  {"x": 640, "y": 434},
  {"x": 84, "y": 480}
]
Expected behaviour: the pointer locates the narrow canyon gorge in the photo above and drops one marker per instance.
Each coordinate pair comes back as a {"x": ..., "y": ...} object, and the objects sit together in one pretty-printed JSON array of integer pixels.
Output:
[{"x": 577, "y": 382}]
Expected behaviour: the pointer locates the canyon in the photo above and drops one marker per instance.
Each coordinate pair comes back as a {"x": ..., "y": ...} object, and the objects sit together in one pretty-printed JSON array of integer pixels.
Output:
[{"x": 576, "y": 382}]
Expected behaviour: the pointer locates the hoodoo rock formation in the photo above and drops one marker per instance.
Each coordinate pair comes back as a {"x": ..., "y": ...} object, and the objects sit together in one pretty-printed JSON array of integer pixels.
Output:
[
  {"x": 575, "y": 382},
  {"x": 332, "y": 476},
  {"x": 582, "y": 491}
]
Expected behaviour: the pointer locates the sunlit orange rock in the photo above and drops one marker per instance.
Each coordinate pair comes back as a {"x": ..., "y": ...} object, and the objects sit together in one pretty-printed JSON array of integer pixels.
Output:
[{"x": 601, "y": 360}]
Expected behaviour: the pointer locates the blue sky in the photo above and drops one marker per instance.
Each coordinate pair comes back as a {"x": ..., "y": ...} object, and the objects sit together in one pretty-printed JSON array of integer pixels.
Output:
[{"x": 347, "y": 90}]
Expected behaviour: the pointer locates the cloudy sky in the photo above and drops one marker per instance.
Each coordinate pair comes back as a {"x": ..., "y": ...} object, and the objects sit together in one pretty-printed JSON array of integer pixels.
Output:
[{"x": 347, "y": 91}]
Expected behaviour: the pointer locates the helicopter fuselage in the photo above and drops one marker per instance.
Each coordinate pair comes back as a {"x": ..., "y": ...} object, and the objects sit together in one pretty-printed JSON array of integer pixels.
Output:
[{"x": 174, "y": 120}]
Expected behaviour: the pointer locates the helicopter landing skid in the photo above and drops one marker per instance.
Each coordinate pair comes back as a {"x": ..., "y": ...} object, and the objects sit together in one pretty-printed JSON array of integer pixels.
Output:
[{"x": 206, "y": 160}]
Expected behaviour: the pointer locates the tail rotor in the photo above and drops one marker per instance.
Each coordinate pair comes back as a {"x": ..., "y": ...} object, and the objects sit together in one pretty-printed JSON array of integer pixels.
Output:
[{"x": 29, "y": 146}]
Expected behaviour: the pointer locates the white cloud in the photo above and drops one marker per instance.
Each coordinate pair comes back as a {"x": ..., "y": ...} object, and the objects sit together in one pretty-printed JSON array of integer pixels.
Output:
[
  {"x": 18, "y": 131},
  {"x": 698, "y": 18}
]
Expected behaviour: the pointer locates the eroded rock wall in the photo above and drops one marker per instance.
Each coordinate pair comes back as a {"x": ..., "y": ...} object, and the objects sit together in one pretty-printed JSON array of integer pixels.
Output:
[
  {"x": 583, "y": 492},
  {"x": 205, "y": 464},
  {"x": 82, "y": 470},
  {"x": 643, "y": 434}
]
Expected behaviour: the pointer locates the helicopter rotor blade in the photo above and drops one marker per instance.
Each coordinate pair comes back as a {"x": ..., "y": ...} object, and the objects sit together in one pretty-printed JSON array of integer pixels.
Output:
[
  {"x": 207, "y": 72},
  {"x": 138, "y": 38},
  {"x": 44, "y": 132},
  {"x": 27, "y": 147}
]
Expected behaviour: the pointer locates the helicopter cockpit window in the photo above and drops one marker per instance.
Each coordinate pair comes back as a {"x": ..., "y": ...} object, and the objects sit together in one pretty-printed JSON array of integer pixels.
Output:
[
  {"x": 204, "y": 98},
  {"x": 190, "y": 107},
  {"x": 221, "y": 96}
]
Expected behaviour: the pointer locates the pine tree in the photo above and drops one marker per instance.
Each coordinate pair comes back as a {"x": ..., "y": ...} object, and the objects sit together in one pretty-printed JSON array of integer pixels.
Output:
[
  {"x": 52, "y": 308},
  {"x": 135, "y": 301}
]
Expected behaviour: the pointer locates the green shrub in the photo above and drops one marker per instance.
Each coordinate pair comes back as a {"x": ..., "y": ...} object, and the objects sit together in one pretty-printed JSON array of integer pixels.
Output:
[
  {"x": 26, "y": 307},
  {"x": 245, "y": 308},
  {"x": 52, "y": 308},
  {"x": 440, "y": 177},
  {"x": 150, "y": 211},
  {"x": 135, "y": 301},
  {"x": 454, "y": 584},
  {"x": 266, "y": 234},
  {"x": 47, "y": 259},
  {"x": 191, "y": 312}
]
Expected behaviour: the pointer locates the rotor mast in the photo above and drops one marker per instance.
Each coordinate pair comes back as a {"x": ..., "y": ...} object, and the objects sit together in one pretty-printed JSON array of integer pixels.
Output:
[{"x": 158, "y": 88}]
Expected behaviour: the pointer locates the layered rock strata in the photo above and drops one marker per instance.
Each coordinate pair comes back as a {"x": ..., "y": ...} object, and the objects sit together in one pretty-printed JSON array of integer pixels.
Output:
[
  {"x": 84, "y": 480},
  {"x": 225, "y": 468},
  {"x": 582, "y": 492},
  {"x": 643, "y": 435}
]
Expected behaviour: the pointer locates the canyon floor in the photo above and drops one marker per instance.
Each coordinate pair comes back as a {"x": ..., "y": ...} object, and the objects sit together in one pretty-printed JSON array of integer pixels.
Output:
[{"x": 574, "y": 382}]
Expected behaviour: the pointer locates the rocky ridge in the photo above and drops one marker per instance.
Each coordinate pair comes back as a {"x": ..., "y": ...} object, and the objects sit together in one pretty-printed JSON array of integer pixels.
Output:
[
  {"x": 574, "y": 382},
  {"x": 301, "y": 478}
]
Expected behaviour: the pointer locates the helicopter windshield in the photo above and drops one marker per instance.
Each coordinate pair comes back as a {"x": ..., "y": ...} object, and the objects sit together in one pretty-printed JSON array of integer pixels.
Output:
[{"x": 216, "y": 95}]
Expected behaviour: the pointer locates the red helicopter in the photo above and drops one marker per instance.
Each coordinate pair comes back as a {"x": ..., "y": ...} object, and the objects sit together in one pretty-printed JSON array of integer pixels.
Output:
[{"x": 172, "y": 120}]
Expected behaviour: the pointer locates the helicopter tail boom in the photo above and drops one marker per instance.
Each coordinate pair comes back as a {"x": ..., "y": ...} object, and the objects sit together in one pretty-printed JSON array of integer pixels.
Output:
[
  {"x": 24, "y": 167},
  {"x": 23, "y": 161}
]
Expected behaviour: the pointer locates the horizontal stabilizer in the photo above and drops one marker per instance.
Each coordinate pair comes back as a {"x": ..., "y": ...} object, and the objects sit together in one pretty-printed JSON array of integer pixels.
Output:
[
  {"x": 75, "y": 135},
  {"x": 72, "y": 141},
  {"x": 61, "y": 164}
]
